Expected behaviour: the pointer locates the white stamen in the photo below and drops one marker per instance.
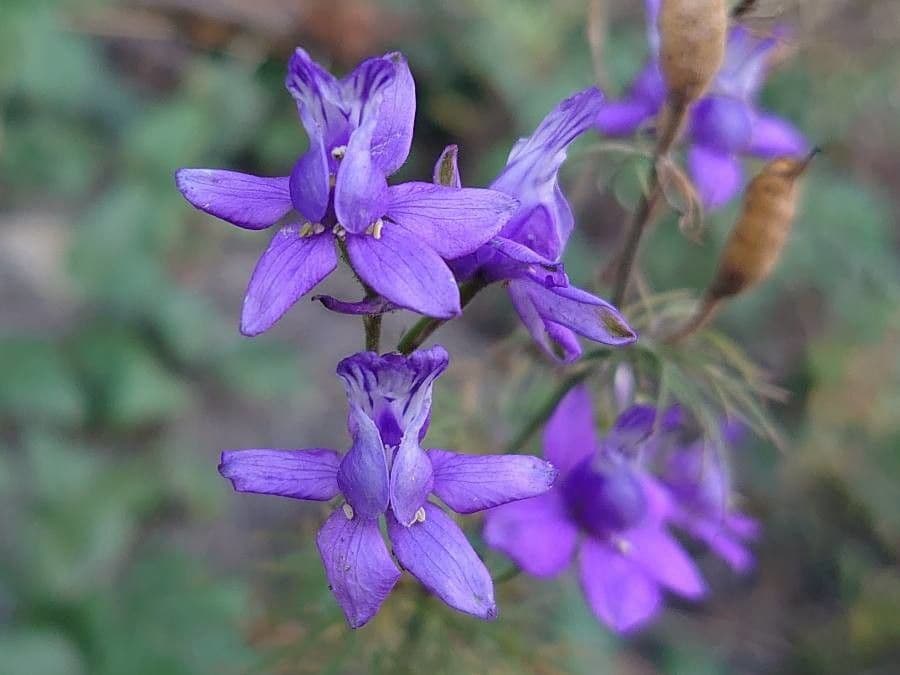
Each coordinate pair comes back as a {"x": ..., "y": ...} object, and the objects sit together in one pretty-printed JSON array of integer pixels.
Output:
[
  {"x": 339, "y": 231},
  {"x": 420, "y": 515},
  {"x": 348, "y": 511},
  {"x": 318, "y": 228},
  {"x": 376, "y": 228},
  {"x": 306, "y": 229},
  {"x": 339, "y": 152}
]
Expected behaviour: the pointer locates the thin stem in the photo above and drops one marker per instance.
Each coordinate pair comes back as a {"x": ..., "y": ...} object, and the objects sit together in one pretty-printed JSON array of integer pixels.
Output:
[
  {"x": 425, "y": 326},
  {"x": 372, "y": 325},
  {"x": 673, "y": 120}
]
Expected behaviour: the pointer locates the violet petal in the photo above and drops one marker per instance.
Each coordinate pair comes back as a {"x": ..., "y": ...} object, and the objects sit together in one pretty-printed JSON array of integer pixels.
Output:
[
  {"x": 299, "y": 474},
  {"x": 251, "y": 202},
  {"x": 411, "y": 478},
  {"x": 360, "y": 571},
  {"x": 470, "y": 483},
  {"x": 438, "y": 554},
  {"x": 289, "y": 268},
  {"x": 363, "y": 474},
  {"x": 716, "y": 175},
  {"x": 662, "y": 558},
  {"x": 570, "y": 436}
]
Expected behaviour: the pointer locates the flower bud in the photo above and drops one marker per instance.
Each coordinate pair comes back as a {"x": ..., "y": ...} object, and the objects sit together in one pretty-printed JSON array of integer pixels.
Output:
[
  {"x": 692, "y": 46},
  {"x": 762, "y": 229}
]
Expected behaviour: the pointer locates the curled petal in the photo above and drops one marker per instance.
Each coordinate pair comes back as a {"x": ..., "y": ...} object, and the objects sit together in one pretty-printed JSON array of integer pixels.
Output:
[
  {"x": 318, "y": 97},
  {"x": 411, "y": 478},
  {"x": 557, "y": 341},
  {"x": 470, "y": 483},
  {"x": 300, "y": 474},
  {"x": 406, "y": 271},
  {"x": 289, "y": 268},
  {"x": 536, "y": 533},
  {"x": 745, "y": 65},
  {"x": 446, "y": 169},
  {"x": 363, "y": 474},
  {"x": 620, "y": 594},
  {"x": 716, "y": 175},
  {"x": 251, "y": 202},
  {"x": 452, "y": 221},
  {"x": 374, "y": 305},
  {"x": 360, "y": 571},
  {"x": 438, "y": 554},
  {"x": 364, "y": 89}
]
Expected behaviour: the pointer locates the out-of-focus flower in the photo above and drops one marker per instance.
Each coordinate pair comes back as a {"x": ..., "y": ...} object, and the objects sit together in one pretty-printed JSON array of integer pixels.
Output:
[
  {"x": 386, "y": 472},
  {"x": 396, "y": 238},
  {"x": 527, "y": 254},
  {"x": 609, "y": 510},
  {"x": 724, "y": 125},
  {"x": 699, "y": 480}
]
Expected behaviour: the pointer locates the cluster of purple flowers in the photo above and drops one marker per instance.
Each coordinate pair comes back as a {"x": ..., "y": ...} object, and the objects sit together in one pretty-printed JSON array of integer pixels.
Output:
[{"x": 412, "y": 245}]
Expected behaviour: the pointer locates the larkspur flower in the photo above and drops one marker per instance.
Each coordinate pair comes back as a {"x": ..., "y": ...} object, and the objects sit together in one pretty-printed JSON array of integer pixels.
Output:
[
  {"x": 386, "y": 472},
  {"x": 527, "y": 253},
  {"x": 699, "y": 480},
  {"x": 724, "y": 125},
  {"x": 396, "y": 238},
  {"x": 608, "y": 509}
]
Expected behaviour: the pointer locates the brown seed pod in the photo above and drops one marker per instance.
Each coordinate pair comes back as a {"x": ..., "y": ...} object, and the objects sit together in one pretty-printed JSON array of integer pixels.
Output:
[
  {"x": 758, "y": 237},
  {"x": 692, "y": 46}
]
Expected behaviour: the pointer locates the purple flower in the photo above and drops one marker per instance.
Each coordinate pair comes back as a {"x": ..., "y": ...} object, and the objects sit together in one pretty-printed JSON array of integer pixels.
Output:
[
  {"x": 724, "y": 125},
  {"x": 699, "y": 480},
  {"x": 397, "y": 237},
  {"x": 386, "y": 472},
  {"x": 527, "y": 253},
  {"x": 609, "y": 510}
]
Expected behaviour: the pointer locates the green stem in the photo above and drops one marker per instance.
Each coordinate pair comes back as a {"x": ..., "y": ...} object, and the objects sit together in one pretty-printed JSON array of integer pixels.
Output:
[
  {"x": 372, "y": 325},
  {"x": 425, "y": 326}
]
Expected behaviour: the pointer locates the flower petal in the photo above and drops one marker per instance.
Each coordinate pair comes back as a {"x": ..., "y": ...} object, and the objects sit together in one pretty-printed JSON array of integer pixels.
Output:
[
  {"x": 536, "y": 533},
  {"x": 586, "y": 314},
  {"x": 774, "y": 137},
  {"x": 619, "y": 593},
  {"x": 438, "y": 554},
  {"x": 723, "y": 124},
  {"x": 727, "y": 546},
  {"x": 373, "y": 305},
  {"x": 360, "y": 571},
  {"x": 310, "y": 179},
  {"x": 300, "y": 474},
  {"x": 717, "y": 176},
  {"x": 290, "y": 268},
  {"x": 470, "y": 483},
  {"x": 662, "y": 558},
  {"x": 446, "y": 169},
  {"x": 452, "y": 221},
  {"x": 318, "y": 98},
  {"x": 360, "y": 193},
  {"x": 558, "y": 342},
  {"x": 622, "y": 118},
  {"x": 251, "y": 202},
  {"x": 405, "y": 271},
  {"x": 570, "y": 436},
  {"x": 411, "y": 478},
  {"x": 393, "y": 135},
  {"x": 363, "y": 474}
]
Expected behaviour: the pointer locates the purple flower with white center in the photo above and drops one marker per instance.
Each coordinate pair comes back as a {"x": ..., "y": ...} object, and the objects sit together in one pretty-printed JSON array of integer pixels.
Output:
[
  {"x": 699, "y": 480},
  {"x": 386, "y": 472},
  {"x": 397, "y": 237},
  {"x": 527, "y": 254},
  {"x": 608, "y": 510},
  {"x": 724, "y": 125}
]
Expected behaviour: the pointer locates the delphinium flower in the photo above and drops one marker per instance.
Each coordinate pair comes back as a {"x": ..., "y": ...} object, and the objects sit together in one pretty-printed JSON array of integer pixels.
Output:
[
  {"x": 527, "y": 254},
  {"x": 396, "y": 238},
  {"x": 724, "y": 125},
  {"x": 699, "y": 480},
  {"x": 609, "y": 510},
  {"x": 387, "y": 473}
]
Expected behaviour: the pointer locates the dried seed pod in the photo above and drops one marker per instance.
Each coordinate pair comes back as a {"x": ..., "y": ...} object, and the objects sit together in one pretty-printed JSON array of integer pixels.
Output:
[
  {"x": 692, "y": 46},
  {"x": 758, "y": 237}
]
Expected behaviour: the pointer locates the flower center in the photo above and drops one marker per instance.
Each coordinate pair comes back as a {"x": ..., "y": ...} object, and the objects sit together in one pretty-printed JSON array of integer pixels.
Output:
[
  {"x": 309, "y": 229},
  {"x": 604, "y": 497}
]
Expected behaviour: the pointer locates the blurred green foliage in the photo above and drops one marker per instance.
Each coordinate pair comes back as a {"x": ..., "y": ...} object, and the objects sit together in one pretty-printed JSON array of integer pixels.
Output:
[{"x": 102, "y": 492}]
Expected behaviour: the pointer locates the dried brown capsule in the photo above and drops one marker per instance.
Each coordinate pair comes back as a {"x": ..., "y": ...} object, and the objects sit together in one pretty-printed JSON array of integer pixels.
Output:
[
  {"x": 758, "y": 237},
  {"x": 692, "y": 46}
]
